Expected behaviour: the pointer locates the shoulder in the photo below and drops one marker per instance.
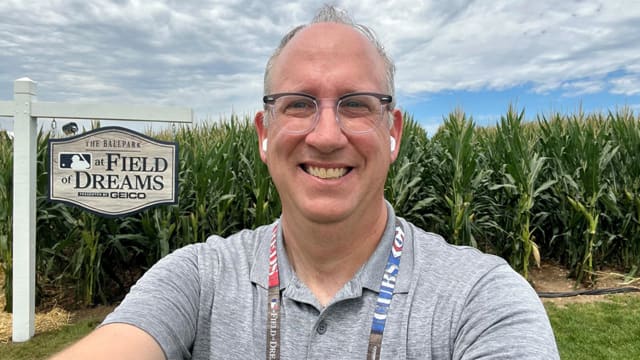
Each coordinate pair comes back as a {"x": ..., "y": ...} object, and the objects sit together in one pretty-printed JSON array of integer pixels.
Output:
[
  {"x": 173, "y": 300},
  {"x": 485, "y": 301},
  {"x": 205, "y": 262},
  {"x": 462, "y": 274},
  {"x": 432, "y": 253},
  {"x": 240, "y": 243},
  {"x": 233, "y": 251}
]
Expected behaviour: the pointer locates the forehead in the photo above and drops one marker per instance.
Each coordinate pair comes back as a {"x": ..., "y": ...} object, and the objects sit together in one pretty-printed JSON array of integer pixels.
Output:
[{"x": 328, "y": 55}]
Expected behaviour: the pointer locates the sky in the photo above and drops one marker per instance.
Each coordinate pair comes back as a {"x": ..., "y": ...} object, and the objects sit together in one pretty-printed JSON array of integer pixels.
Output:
[{"x": 480, "y": 56}]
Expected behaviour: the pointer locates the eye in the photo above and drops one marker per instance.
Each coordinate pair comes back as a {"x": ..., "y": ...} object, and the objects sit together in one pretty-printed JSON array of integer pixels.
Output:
[
  {"x": 300, "y": 104},
  {"x": 296, "y": 106},
  {"x": 352, "y": 103},
  {"x": 360, "y": 105}
]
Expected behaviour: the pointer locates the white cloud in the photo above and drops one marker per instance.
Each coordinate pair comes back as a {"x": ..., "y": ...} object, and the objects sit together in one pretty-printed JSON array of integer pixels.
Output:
[
  {"x": 497, "y": 45},
  {"x": 626, "y": 85},
  {"x": 210, "y": 55},
  {"x": 577, "y": 88}
]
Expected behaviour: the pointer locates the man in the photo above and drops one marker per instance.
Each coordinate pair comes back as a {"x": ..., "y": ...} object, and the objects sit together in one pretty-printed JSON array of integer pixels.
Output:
[{"x": 338, "y": 276}]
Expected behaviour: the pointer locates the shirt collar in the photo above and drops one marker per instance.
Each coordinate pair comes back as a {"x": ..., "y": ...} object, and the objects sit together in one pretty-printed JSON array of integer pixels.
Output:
[
  {"x": 260, "y": 268},
  {"x": 369, "y": 276}
]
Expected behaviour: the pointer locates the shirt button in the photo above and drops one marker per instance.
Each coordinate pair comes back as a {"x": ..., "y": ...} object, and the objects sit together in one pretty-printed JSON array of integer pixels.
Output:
[{"x": 322, "y": 328}]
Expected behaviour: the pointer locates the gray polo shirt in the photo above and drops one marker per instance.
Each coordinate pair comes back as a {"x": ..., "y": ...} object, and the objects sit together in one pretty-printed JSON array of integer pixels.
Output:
[{"x": 209, "y": 301}]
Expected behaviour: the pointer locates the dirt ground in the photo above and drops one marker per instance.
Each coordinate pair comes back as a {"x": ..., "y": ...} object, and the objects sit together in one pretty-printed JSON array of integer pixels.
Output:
[
  {"x": 553, "y": 278},
  {"x": 548, "y": 278}
]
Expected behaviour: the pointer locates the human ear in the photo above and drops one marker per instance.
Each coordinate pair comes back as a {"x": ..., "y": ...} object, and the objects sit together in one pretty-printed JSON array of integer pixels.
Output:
[
  {"x": 395, "y": 133},
  {"x": 261, "y": 130}
]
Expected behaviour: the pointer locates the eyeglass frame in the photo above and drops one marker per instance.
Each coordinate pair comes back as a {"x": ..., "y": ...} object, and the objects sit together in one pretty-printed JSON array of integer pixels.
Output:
[{"x": 385, "y": 101}]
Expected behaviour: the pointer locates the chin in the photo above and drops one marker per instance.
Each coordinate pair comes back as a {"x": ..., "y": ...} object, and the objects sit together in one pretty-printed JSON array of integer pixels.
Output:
[{"x": 327, "y": 212}]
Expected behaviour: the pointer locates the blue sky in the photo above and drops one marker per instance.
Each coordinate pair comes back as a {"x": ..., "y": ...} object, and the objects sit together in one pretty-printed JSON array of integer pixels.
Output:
[
  {"x": 487, "y": 106},
  {"x": 481, "y": 56}
]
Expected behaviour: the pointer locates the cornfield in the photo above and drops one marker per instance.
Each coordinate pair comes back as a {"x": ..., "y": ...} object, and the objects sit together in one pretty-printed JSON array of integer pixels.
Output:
[{"x": 562, "y": 188}]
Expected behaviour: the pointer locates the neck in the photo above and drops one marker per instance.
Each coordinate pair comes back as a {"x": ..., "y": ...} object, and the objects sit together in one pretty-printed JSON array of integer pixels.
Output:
[{"x": 327, "y": 256}]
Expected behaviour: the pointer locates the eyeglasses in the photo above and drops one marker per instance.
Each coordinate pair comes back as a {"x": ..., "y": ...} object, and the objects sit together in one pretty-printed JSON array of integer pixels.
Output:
[{"x": 298, "y": 113}]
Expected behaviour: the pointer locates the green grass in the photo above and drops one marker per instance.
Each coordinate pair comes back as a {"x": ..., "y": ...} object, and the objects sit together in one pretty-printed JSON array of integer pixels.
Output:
[
  {"x": 600, "y": 330},
  {"x": 46, "y": 344}
]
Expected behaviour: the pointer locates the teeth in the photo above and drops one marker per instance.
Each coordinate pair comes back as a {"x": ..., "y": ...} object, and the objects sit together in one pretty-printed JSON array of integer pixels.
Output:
[{"x": 325, "y": 173}]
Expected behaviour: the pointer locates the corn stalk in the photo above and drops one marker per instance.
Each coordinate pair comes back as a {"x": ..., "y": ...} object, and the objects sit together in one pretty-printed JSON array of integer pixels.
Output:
[
  {"x": 521, "y": 170},
  {"x": 583, "y": 155},
  {"x": 555, "y": 195},
  {"x": 460, "y": 182},
  {"x": 625, "y": 131}
]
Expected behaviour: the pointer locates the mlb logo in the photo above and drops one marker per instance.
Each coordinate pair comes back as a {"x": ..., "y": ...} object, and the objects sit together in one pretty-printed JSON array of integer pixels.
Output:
[{"x": 75, "y": 161}]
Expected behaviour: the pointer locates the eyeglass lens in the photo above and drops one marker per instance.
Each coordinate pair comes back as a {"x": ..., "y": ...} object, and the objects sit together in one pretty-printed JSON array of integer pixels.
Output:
[{"x": 356, "y": 113}]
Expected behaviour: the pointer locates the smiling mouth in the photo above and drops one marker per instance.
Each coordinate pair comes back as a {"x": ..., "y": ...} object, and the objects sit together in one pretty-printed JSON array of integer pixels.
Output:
[{"x": 326, "y": 173}]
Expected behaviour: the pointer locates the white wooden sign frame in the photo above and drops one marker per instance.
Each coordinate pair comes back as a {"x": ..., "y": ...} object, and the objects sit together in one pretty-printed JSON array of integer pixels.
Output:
[{"x": 25, "y": 111}]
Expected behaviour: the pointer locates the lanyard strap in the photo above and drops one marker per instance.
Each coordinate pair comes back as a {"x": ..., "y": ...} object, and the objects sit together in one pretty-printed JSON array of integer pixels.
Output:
[
  {"x": 385, "y": 295},
  {"x": 382, "y": 304},
  {"x": 273, "y": 301}
]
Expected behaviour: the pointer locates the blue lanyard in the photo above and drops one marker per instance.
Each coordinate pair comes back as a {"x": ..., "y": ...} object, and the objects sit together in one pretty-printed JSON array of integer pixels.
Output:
[{"x": 385, "y": 295}]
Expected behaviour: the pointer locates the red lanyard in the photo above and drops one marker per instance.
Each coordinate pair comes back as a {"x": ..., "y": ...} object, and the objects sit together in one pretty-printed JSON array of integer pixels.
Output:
[
  {"x": 273, "y": 311},
  {"x": 385, "y": 295}
]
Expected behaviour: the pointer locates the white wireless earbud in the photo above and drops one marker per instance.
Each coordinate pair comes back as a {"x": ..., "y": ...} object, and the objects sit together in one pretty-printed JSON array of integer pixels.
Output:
[
  {"x": 264, "y": 145},
  {"x": 392, "y": 142}
]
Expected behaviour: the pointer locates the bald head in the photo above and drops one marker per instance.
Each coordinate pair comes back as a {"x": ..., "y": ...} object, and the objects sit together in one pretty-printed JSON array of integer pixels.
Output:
[
  {"x": 325, "y": 16},
  {"x": 325, "y": 51}
]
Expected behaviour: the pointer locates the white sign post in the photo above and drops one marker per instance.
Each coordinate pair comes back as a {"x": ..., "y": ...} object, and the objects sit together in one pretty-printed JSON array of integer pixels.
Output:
[{"x": 25, "y": 112}]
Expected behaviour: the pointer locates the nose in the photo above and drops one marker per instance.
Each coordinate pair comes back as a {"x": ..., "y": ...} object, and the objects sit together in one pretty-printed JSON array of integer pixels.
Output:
[{"x": 327, "y": 136}]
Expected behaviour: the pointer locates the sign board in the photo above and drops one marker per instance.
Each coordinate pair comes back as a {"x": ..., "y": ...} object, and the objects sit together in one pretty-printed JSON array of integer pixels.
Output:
[{"x": 113, "y": 171}]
